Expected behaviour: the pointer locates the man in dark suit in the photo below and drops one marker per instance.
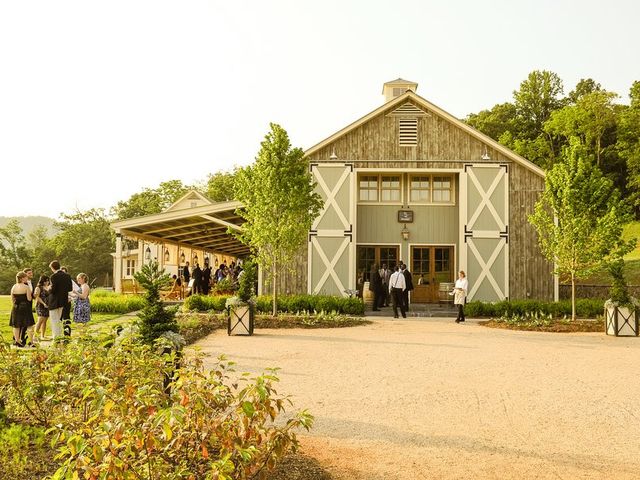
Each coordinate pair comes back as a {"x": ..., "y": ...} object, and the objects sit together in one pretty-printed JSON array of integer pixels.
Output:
[
  {"x": 409, "y": 282},
  {"x": 58, "y": 297},
  {"x": 206, "y": 277},
  {"x": 196, "y": 274}
]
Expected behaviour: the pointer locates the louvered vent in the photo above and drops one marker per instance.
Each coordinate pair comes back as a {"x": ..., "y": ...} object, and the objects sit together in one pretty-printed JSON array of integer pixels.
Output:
[
  {"x": 408, "y": 132},
  {"x": 408, "y": 110}
]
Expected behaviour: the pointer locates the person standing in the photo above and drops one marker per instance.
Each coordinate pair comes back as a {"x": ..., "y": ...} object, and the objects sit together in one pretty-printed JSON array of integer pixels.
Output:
[
  {"x": 29, "y": 272},
  {"x": 58, "y": 297},
  {"x": 42, "y": 309},
  {"x": 186, "y": 274},
  {"x": 82, "y": 307},
  {"x": 21, "y": 311},
  {"x": 66, "y": 310},
  {"x": 408, "y": 280},
  {"x": 375, "y": 286},
  {"x": 397, "y": 286},
  {"x": 385, "y": 274},
  {"x": 206, "y": 277},
  {"x": 460, "y": 294},
  {"x": 197, "y": 279}
]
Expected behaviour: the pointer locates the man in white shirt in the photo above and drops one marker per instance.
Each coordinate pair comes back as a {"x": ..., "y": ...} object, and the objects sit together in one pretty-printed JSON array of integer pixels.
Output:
[{"x": 397, "y": 285}]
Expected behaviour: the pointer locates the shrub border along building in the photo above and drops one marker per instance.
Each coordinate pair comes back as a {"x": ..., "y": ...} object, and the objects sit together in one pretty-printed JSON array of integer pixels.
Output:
[{"x": 286, "y": 304}]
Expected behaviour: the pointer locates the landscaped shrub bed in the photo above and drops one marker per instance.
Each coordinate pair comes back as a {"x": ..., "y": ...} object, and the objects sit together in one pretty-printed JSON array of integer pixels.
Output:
[
  {"x": 586, "y": 308},
  {"x": 286, "y": 303},
  {"x": 108, "y": 414},
  {"x": 194, "y": 326},
  {"x": 542, "y": 322},
  {"x": 109, "y": 302}
]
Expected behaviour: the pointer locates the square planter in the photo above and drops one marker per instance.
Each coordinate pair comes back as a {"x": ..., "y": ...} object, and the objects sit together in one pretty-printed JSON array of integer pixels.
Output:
[
  {"x": 621, "y": 322},
  {"x": 240, "y": 319}
]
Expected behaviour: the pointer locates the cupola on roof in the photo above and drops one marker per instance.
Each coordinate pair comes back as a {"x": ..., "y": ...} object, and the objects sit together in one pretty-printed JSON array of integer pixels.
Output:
[{"x": 397, "y": 87}]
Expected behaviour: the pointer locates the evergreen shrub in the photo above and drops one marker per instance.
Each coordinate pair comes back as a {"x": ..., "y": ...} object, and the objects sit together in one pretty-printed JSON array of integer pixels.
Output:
[{"x": 586, "y": 308}]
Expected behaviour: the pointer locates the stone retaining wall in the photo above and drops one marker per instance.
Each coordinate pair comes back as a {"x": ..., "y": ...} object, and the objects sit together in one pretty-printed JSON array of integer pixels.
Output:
[{"x": 593, "y": 291}]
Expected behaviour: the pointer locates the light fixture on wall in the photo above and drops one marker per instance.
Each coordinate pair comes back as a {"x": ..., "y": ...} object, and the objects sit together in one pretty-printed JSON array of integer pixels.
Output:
[
  {"x": 147, "y": 254},
  {"x": 333, "y": 156},
  {"x": 485, "y": 155},
  {"x": 182, "y": 257},
  {"x": 216, "y": 262},
  {"x": 206, "y": 260},
  {"x": 166, "y": 255},
  {"x": 195, "y": 259},
  {"x": 405, "y": 233}
]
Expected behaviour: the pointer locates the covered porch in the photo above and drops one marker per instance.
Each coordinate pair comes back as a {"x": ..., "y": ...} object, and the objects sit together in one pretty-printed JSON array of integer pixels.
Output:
[{"x": 177, "y": 236}]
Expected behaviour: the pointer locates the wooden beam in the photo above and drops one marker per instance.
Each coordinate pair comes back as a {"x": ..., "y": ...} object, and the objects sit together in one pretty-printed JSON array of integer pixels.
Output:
[
  {"x": 233, "y": 226},
  {"x": 176, "y": 227}
]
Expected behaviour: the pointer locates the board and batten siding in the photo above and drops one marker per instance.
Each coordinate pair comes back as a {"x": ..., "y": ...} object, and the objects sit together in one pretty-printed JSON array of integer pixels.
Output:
[
  {"x": 444, "y": 145},
  {"x": 432, "y": 224}
]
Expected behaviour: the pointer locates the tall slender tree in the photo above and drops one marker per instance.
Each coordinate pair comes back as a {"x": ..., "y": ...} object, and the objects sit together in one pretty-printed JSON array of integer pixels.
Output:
[
  {"x": 279, "y": 205},
  {"x": 579, "y": 219}
]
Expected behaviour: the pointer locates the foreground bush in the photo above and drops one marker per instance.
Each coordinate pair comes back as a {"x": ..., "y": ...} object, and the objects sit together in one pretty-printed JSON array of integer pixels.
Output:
[
  {"x": 109, "y": 416},
  {"x": 585, "y": 308},
  {"x": 286, "y": 304}
]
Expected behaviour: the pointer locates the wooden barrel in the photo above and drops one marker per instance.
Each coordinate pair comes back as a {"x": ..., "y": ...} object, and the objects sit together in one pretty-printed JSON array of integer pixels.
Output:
[{"x": 367, "y": 296}]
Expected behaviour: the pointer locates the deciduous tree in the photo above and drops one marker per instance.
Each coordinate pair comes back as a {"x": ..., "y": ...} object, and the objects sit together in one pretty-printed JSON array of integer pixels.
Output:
[
  {"x": 579, "y": 218},
  {"x": 279, "y": 204}
]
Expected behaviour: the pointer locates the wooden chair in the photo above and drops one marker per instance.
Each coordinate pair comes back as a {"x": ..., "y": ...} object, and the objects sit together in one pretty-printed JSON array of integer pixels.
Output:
[{"x": 174, "y": 293}]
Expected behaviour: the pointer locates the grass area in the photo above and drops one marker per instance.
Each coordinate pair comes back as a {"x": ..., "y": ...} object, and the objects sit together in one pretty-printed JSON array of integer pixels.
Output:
[
  {"x": 632, "y": 230},
  {"x": 5, "y": 314},
  {"x": 632, "y": 261}
]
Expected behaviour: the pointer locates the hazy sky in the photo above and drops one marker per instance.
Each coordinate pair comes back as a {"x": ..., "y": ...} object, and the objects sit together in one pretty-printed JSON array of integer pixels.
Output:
[{"x": 101, "y": 99}]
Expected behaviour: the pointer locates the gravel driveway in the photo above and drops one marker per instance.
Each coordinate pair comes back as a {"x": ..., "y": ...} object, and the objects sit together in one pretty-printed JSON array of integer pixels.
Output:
[{"x": 429, "y": 399}]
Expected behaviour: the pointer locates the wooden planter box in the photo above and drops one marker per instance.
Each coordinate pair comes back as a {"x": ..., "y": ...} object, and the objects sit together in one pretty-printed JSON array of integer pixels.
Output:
[
  {"x": 240, "y": 319},
  {"x": 621, "y": 322}
]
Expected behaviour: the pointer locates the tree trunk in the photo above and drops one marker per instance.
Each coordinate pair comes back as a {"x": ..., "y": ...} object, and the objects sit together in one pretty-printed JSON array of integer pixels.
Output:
[
  {"x": 573, "y": 297},
  {"x": 274, "y": 275}
]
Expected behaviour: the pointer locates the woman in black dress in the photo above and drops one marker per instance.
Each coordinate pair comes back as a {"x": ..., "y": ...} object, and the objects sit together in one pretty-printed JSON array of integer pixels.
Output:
[{"x": 21, "y": 313}]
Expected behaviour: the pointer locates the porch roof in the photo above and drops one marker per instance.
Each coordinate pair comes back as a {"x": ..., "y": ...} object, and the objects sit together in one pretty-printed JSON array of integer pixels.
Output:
[{"x": 203, "y": 227}]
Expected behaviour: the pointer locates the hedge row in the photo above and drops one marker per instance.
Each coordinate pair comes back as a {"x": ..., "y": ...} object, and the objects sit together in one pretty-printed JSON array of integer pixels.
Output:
[
  {"x": 286, "y": 303},
  {"x": 116, "y": 303},
  {"x": 585, "y": 308}
]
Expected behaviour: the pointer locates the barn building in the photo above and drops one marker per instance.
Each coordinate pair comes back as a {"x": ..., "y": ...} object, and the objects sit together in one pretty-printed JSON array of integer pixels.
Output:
[{"x": 406, "y": 182}]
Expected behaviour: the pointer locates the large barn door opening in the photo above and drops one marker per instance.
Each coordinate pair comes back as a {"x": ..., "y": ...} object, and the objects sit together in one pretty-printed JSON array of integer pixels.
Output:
[
  {"x": 484, "y": 231},
  {"x": 331, "y": 238}
]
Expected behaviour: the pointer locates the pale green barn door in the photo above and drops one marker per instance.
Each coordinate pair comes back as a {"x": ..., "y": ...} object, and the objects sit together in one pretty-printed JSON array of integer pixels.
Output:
[
  {"x": 331, "y": 238},
  {"x": 484, "y": 231}
]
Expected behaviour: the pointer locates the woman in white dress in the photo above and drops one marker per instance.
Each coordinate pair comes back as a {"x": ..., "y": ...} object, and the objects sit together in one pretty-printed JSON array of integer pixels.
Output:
[{"x": 460, "y": 294}]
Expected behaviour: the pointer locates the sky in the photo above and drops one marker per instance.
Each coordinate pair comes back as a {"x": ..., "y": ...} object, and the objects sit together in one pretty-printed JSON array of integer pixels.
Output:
[{"x": 99, "y": 100}]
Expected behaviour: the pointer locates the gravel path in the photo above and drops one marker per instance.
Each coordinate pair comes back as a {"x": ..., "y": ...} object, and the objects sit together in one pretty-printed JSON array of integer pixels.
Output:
[{"x": 429, "y": 399}]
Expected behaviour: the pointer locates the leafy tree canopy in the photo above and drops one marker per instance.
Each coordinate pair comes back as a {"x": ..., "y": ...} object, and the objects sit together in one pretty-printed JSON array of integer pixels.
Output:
[
  {"x": 220, "y": 186},
  {"x": 279, "y": 204},
  {"x": 150, "y": 200},
  {"x": 579, "y": 218}
]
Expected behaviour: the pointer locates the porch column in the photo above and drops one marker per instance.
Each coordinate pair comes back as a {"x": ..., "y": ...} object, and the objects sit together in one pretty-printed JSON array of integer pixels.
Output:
[{"x": 117, "y": 273}]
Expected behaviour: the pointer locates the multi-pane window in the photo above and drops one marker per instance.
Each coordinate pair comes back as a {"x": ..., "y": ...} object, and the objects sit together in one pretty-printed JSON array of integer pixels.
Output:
[
  {"x": 442, "y": 189},
  {"x": 431, "y": 188},
  {"x": 390, "y": 188},
  {"x": 131, "y": 268},
  {"x": 383, "y": 188},
  {"x": 368, "y": 188},
  {"x": 420, "y": 189}
]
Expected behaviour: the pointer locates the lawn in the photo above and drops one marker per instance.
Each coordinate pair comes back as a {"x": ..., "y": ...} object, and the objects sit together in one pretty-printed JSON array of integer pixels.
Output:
[
  {"x": 5, "y": 313},
  {"x": 632, "y": 261}
]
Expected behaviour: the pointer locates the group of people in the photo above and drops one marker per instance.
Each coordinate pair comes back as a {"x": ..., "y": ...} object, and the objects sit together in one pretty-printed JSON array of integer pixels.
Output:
[
  {"x": 53, "y": 296},
  {"x": 201, "y": 280},
  {"x": 393, "y": 285}
]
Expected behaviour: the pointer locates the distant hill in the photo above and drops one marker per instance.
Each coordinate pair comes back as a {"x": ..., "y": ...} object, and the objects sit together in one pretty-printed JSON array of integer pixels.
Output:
[{"x": 29, "y": 224}]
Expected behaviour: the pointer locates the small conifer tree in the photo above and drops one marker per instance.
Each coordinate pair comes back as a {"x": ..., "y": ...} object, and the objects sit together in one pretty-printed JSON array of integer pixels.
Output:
[{"x": 154, "y": 319}]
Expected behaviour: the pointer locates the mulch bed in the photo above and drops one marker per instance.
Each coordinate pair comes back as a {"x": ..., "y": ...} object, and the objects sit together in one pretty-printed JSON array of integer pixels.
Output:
[
  {"x": 297, "y": 466},
  {"x": 557, "y": 326},
  {"x": 285, "y": 320}
]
